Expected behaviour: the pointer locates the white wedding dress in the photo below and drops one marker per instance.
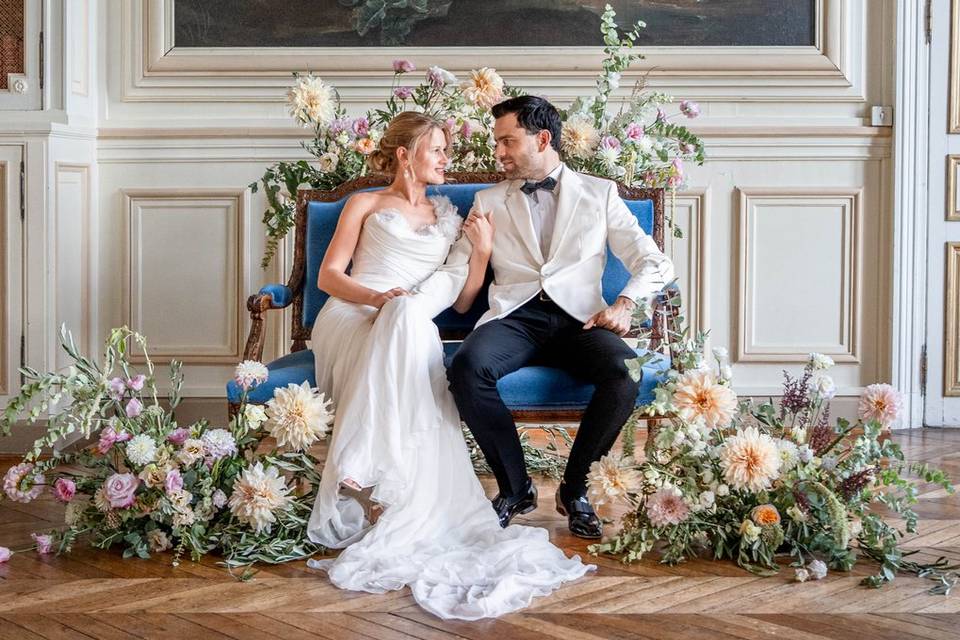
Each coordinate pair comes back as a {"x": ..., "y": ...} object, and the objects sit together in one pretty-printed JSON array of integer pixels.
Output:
[{"x": 397, "y": 430}]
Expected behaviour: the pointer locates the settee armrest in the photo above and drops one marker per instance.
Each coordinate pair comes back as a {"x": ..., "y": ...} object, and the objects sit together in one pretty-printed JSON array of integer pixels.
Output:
[{"x": 272, "y": 296}]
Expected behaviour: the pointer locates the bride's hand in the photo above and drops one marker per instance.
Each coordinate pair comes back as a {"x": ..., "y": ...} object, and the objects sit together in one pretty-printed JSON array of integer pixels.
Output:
[
  {"x": 479, "y": 230},
  {"x": 383, "y": 298}
]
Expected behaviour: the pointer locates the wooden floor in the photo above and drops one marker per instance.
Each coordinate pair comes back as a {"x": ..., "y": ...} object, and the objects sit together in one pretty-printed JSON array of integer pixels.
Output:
[{"x": 95, "y": 594}]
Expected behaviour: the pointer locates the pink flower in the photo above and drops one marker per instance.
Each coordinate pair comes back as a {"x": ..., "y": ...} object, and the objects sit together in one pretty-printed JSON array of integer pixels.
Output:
[
  {"x": 5, "y": 554},
  {"x": 134, "y": 408},
  {"x": 403, "y": 66},
  {"x": 44, "y": 543},
  {"x": 361, "y": 126},
  {"x": 21, "y": 484},
  {"x": 109, "y": 437},
  {"x": 666, "y": 507},
  {"x": 466, "y": 129},
  {"x": 120, "y": 489},
  {"x": 173, "y": 482},
  {"x": 634, "y": 131},
  {"x": 451, "y": 124},
  {"x": 610, "y": 142},
  {"x": 116, "y": 388},
  {"x": 64, "y": 489},
  {"x": 178, "y": 436},
  {"x": 403, "y": 92},
  {"x": 136, "y": 382},
  {"x": 689, "y": 109},
  {"x": 882, "y": 403},
  {"x": 688, "y": 148},
  {"x": 661, "y": 115}
]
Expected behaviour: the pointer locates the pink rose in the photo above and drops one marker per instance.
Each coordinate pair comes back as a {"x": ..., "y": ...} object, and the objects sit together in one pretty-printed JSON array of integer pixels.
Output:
[
  {"x": 403, "y": 66},
  {"x": 5, "y": 554},
  {"x": 403, "y": 93},
  {"x": 120, "y": 489},
  {"x": 64, "y": 489},
  {"x": 136, "y": 382},
  {"x": 134, "y": 408},
  {"x": 173, "y": 482},
  {"x": 44, "y": 543},
  {"x": 361, "y": 126},
  {"x": 178, "y": 436},
  {"x": 634, "y": 131},
  {"x": 116, "y": 388}
]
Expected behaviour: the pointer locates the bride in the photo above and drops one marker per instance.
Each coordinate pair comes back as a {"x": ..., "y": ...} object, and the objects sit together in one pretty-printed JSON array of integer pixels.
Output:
[{"x": 398, "y": 493}]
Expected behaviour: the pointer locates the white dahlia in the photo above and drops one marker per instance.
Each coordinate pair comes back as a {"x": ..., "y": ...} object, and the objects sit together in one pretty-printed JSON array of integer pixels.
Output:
[
  {"x": 311, "y": 101},
  {"x": 298, "y": 415},
  {"x": 218, "y": 443},
  {"x": 141, "y": 449},
  {"x": 257, "y": 494},
  {"x": 250, "y": 373},
  {"x": 578, "y": 137},
  {"x": 750, "y": 460},
  {"x": 483, "y": 88},
  {"x": 607, "y": 481}
]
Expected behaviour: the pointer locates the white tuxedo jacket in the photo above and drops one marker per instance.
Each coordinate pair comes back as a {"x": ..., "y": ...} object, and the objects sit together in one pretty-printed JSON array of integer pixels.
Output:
[{"x": 589, "y": 216}]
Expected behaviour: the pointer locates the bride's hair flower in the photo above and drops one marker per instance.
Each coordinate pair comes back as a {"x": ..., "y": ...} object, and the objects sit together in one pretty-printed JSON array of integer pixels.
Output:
[
  {"x": 578, "y": 137},
  {"x": 21, "y": 484},
  {"x": 880, "y": 402},
  {"x": 609, "y": 481},
  {"x": 666, "y": 507},
  {"x": 750, "y": 460},
  {"x": 250, "y": 373},
  {"x": 298, "y": 415},
  {"x": 218, "y": 443},
  {"x": 483, "y": 88},
  {"x": 311, "y": 101},
  {"x": 257, "y": 495},
  {"x": 698, "y": 397}
]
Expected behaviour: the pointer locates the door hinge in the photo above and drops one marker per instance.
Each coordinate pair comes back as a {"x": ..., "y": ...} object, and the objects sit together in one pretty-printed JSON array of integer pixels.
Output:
[
  {"x": 923, "y": 370},
  {"x": 927, "y": 22},
  {"x": 41, "y": 60},
  {"x": 23, "y": 191}
]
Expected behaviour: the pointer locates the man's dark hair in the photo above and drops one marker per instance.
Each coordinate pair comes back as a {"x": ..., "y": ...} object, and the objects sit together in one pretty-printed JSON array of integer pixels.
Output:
[{"x": 534, "y": 115}]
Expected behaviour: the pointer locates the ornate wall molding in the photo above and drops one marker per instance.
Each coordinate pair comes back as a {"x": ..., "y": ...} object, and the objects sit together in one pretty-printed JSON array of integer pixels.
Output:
[{"x": 951, "y": 351}]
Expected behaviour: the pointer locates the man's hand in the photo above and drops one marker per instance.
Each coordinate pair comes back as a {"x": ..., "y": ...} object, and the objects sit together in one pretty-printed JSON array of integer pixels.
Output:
[{"x": 615, "y": 318}]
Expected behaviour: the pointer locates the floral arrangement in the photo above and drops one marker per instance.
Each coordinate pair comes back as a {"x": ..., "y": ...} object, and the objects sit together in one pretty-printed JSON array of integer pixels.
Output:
[
  {"x": 638, "y": 145},
  {"x": 147, "y": 483},
  {"x": 753, "y": 481}
]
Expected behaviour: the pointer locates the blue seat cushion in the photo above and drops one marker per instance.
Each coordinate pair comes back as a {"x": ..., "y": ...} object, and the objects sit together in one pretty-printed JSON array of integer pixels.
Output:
[{"x": 530, "y": 388}]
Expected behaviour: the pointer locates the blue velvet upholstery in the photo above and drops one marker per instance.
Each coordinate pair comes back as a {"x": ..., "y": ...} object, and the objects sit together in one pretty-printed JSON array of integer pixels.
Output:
[{"x": 533, "y": 387}]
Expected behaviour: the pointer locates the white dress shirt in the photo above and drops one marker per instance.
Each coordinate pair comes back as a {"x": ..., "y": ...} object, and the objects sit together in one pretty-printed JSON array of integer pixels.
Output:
[{"x": 543, "y": 211}]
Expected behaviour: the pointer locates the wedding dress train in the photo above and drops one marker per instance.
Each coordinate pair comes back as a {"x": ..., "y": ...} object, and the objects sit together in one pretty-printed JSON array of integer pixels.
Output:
[{"x": 397, "y": 431}]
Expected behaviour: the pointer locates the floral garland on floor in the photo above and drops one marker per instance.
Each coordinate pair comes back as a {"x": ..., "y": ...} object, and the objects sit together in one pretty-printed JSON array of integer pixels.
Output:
[
  {"x": 638, "y": 145},
  {"x": 749, "y": 481},
  {"x": 147, "y": 483}
]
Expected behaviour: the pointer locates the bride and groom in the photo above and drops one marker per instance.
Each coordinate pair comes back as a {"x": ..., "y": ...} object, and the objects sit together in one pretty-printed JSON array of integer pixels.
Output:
[{"x": 398, "y": 493}]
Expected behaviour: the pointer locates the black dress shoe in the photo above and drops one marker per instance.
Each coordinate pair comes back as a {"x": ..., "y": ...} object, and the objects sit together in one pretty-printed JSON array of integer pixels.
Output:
[
  {"x": 581, "y": 518},
  {"x": 507, "y": 508}
]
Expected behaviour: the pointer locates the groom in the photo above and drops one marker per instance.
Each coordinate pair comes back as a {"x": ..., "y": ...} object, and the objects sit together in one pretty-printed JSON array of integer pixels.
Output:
[{"x": 553, "y": 226}]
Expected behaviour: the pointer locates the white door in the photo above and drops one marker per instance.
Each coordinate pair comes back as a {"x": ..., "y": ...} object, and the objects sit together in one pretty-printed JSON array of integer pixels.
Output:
[
  {"x": 11, "y": 261},
  {"x": 21, "y": 87},
  {"x": 942, "y": 387}
]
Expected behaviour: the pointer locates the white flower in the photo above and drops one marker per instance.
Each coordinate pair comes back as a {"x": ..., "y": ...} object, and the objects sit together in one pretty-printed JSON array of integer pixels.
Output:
[
  {"x": 578, "y": 137},
  {"x": 750, "y": 460},
  {"x": 180, "y": 499},
  {"x": 141, "y": 449},
  {"x": 609, "y": 156},
  {"x": 789, "y": 454},
  {"x": 829, "y": 463},
  {"x": 819, "y": 362},
  {"x": 257, "y": 494},
  {"x": 312, "y": 101},
  {"x": 645, "y": 144},
  {"x": 483, "y": 88},
  {"x": 749, "y": 531},
  {"x": 824, "y": 386},
  {"x": 440, "y": 77},
  {"x": 818, "y": 569},
  {"x": 342, "y": 138},
  {"x": 726, "y": 373},
  {"x": 720, "y": 353},
  {"x": 250, "y": 373},
  {"x": 255, "y": 415},
  {"x": 723, "y": 490},
  {"x": 800, "y": 574},
  {"x": 607, "y": 481},
  {"x": 805, "y": 453},
  {"x": 707, "y": 499},
  {"x": 298, "y": 415},
  {"x": 218, "y": 443},
  {"x": 184, "y": 518},
  {"x": 613, "y": 79},
  {"x": 328, "y": 162},
  {"x": 158, "y": 541},
  {"x": 796, "y": 514},
  {"x": 190, "y": 452},
  {"x": 219, "y": 499}
]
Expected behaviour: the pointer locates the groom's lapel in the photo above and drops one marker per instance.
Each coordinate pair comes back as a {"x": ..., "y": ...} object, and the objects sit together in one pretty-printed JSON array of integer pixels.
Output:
[
  {"x": 571, "y": 188},
  {"x": 522, "y": 219}
]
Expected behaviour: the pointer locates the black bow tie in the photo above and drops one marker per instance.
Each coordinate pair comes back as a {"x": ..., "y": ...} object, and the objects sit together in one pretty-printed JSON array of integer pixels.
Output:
[{"x": 547, "y": 184}]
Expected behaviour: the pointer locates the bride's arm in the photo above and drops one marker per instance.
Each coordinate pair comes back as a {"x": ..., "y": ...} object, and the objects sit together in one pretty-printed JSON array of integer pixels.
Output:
[
  {"x": 333, "y": 278},
  {"x": 479, "y": 230}
]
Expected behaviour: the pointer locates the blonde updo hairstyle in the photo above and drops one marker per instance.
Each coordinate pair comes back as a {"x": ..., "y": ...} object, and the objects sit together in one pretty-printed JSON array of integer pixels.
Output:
[{"x": 406, "y": 130}]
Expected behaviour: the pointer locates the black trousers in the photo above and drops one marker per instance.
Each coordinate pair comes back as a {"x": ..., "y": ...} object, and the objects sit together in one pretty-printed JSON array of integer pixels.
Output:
[{"x": 541, "y": 332}]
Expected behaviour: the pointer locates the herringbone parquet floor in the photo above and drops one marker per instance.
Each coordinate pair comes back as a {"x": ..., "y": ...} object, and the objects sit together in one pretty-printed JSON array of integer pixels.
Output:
[{"x": 95, "y": 594}]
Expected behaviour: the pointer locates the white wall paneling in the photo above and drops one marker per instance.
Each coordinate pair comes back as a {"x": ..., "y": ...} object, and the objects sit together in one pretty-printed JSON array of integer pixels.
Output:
[
  {"x": 71, "y": 253},
  {"x": 798, "y": 274},
  {"x": 690, "y": 255},
  {"x": 951, "y": 370},
  {"x": 11, "y": 301},
  {"x": 187, "y": 260}
]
